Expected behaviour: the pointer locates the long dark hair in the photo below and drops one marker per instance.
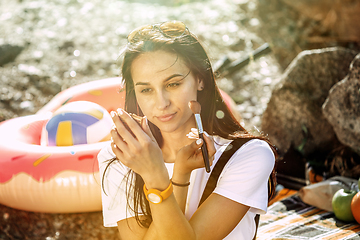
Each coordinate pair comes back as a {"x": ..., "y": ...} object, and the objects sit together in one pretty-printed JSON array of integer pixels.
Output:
[{"x": 188, "y": 48}]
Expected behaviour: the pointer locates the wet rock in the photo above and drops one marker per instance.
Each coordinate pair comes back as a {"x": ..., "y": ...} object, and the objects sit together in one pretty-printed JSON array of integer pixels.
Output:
[
  {"x": 294, "y": 26},
  {"x": 4, "y": 112},
  {"x": 29, "y": 70},
  {"x": 8, "y": 53},
  {"x": 294, "y": 115},
  {"x": 338, "y": 18},
  {"x": 27, "y": 106},
  {"x": 279, "y": 26},
  {"x": 49, "y": 87},
  {"x": 38, "y": 78},
  {"x": 342, "y": 107}
]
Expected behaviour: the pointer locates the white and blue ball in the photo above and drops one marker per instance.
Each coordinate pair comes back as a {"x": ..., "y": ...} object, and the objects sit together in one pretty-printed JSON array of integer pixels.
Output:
[{"x": 79, "y": 122}]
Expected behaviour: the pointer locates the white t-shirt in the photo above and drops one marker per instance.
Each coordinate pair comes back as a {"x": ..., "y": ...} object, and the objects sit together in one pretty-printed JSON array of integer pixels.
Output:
[{"x": 244, "y": 179}]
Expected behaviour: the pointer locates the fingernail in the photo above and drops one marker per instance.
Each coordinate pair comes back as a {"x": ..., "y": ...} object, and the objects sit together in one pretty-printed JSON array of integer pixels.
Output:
[
  {"x": 206, "y": 134},
  {"x": 146, "y": 120},
  {"x": 195, "y": 130},
  {"x": 120, "y": 111},
  {"x": 112, "y": 113},
  {"x": 191, "y": 136},
  {"x": 199, "y": 141}
]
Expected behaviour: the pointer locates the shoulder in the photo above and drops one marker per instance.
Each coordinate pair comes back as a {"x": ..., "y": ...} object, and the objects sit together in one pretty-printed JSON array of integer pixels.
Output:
[
  {"x": 255, "y": 151},
  {"x": 245, "y": 176},
  {"x": 105, "y": 154},
  {"x": 255, "y": 147},
  {"x": 113, "y": 188},
  {"x": 254, "y": 154},
  {"x": 251, "y": 148}
]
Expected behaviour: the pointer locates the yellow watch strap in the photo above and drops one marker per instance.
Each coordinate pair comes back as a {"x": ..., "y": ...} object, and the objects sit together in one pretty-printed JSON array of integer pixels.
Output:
[
  {"x": 167, "y": 192},
  {"x": 164, "y": 194}
]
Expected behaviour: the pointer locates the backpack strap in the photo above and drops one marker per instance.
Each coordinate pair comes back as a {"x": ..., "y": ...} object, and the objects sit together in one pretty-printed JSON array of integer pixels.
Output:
[{"x": 219, "y": 166}]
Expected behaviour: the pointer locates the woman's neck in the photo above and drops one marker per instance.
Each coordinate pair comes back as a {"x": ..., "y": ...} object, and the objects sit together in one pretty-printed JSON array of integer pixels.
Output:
[{"x": 173, "y": 142}]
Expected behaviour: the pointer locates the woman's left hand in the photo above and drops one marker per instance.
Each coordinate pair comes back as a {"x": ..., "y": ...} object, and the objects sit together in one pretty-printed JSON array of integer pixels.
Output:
[{"x": 190, "y": 156}]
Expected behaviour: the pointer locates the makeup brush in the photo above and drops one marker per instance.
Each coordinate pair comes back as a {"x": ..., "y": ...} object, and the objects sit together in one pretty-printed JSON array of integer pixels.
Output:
[{"x": 196, "y": 109}]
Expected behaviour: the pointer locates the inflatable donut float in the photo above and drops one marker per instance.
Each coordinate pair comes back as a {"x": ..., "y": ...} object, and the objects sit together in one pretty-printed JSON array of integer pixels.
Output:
[{"x": 55, "y": 179}]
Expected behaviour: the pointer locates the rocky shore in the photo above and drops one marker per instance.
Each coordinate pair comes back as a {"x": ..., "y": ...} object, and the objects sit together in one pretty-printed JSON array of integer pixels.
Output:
[{"x": 48, "y": 46}]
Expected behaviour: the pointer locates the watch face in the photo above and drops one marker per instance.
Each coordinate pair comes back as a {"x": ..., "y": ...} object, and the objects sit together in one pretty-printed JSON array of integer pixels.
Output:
[{"x": 154, "y": 198}]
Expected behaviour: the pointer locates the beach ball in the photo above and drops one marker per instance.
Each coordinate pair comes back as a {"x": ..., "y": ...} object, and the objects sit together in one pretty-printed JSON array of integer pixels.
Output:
[{"x": 80, "y": 122}]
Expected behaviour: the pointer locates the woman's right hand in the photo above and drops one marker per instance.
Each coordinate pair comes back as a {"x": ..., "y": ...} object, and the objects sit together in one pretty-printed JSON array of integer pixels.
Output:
[{"x": 138, "y": 150}]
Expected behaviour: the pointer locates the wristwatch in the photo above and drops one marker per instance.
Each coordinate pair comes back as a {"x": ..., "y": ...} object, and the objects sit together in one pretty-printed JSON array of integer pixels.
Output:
[{"x": 156, "y": 196}]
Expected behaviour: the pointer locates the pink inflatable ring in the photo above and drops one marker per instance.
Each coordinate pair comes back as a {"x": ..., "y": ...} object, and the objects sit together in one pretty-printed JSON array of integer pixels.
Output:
[{"x": 53, "y": 179}]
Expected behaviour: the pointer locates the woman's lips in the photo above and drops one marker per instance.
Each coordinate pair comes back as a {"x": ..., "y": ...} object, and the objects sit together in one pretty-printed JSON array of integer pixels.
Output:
[{"x": 166, "y": 117}]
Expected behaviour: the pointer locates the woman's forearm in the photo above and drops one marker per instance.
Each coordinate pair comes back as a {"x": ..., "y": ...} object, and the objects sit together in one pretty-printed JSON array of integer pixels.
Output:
[
  {"x": 181, "y": 192},
  {"x": 169, "y": 222}
]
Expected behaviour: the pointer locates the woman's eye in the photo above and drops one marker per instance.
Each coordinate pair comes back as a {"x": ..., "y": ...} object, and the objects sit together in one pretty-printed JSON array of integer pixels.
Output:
[
  {"x": 174, "y": 84},
  {"x": 146, "y": 90}
]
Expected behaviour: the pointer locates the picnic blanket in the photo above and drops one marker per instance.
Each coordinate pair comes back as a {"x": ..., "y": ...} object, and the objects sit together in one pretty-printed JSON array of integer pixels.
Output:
[{"x": 291, "y": 218}]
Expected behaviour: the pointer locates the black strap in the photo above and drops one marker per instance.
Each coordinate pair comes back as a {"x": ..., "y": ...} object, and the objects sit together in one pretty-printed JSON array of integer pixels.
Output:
[
  {"x": 219, "y": 166},
  {"x": 257, "y": 220}
]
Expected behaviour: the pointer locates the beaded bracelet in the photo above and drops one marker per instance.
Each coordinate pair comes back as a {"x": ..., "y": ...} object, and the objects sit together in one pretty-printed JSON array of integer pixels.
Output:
[{"x": 180, "y": 184}]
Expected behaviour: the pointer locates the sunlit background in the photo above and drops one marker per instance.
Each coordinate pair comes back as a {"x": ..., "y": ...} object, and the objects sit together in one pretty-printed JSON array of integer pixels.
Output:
[
  {"x": 47, "y": 46},
  {"x": 65, "y": 42}
]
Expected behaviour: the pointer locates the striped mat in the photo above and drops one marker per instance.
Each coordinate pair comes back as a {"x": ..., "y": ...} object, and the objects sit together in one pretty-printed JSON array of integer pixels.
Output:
[{"x": 291, "y": 218}]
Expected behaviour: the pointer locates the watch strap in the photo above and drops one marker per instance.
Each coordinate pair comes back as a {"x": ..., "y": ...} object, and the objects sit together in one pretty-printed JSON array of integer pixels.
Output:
[{"x": 163, "y": 194}]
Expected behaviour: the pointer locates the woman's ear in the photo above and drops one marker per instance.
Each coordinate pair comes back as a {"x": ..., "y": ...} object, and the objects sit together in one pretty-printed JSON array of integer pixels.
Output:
[{"x": 200, "y": 84}]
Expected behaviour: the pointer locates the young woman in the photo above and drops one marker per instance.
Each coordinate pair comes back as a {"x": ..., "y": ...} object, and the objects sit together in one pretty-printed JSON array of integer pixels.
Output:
[{"x": 153, "y": 173}]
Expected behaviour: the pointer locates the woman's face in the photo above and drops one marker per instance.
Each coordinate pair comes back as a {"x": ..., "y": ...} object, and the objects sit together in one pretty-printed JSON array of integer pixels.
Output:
[{"x": 164, "y": 85}]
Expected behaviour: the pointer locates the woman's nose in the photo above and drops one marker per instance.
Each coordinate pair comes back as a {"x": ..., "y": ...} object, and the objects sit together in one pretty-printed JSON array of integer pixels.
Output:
[{"x": 163, "y": 100}]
